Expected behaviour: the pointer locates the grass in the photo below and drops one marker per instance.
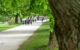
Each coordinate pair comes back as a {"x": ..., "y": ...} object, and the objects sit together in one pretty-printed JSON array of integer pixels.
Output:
[
  {"x": 39, "y": 41},
  {"x": 6, "y": 26}
]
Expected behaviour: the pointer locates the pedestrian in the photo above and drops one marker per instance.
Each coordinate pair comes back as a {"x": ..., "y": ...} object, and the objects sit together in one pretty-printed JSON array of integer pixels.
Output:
[
  {"x": 42, "y": 19},
  {"x": 28, "y": 21},
  {"x": 31, "y": 21},
  {"x": 38, "y": 18},
  {"x": 23, "y": 21}
]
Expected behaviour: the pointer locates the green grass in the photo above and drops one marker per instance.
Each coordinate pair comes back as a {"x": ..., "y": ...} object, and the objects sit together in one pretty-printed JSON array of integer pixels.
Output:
[
  {"x": 39, "y": 41},
  {"x": 6, "y": 26}
]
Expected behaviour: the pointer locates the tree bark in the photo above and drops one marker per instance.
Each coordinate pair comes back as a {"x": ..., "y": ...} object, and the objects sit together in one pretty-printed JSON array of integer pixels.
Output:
[
  {"x": 67, "y": 23},
  {"x": 16, "y": 19},
  {"x": 51, "y": 39},
  {"x": 21, "y": 20}
]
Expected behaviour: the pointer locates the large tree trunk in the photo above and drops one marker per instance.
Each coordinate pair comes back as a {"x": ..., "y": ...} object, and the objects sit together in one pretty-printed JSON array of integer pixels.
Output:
[
  {"x": 67, "y": 23},
  {"x": 52, "y": 41},
  {"x": 16, "y": 19},
  {"x": 52, "y": 38}
]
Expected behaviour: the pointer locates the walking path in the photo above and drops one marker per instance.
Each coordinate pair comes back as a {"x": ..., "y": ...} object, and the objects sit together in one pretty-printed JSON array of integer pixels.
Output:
[{"x": 11, "y": 39}]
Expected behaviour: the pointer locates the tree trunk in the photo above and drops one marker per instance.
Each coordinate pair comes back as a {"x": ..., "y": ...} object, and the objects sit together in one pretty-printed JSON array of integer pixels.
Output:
[
  {"x": 67, "y": 23},
  {"x": 16, "y": 19},
  {"x": 21, "y": 20},
  {"x": 51, "y": 39}
]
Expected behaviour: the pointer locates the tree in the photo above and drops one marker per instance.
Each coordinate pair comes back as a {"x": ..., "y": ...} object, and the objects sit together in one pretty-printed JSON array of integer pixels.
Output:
[
  {"x": 41, "y": 7},
  {"x": 67, "y": 25},
  {"x": 14, "y": 8},
  {"x": 17, "y": 6}
]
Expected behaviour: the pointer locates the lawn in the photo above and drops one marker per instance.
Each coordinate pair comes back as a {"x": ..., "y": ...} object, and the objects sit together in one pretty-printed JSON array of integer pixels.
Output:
[
  {"x": 39, "y": 41},
  {"x": 6, "y": 26}
]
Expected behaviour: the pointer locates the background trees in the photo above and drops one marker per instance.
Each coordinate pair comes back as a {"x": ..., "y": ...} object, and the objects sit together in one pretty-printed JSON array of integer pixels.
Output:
[
  {"x": 14, "y": 8},
  {"x": 19, "y": 8}
]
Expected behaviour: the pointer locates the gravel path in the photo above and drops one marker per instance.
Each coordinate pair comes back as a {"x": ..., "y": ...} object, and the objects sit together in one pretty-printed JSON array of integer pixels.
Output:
[{"x": 11, "y": 39}]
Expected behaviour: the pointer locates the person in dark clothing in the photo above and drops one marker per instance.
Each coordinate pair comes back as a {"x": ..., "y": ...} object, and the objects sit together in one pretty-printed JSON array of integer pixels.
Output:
[
  {"x": 38, "y": 18},
  {"x": 42, "y": 19},
  {"x": 28, "y": 21},
  {"x": 31, "y": 21}
]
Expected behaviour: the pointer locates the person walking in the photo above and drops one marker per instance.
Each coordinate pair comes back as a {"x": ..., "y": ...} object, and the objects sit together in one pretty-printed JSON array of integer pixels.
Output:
[
  {"x": 23, "y": 21},
  {"x": 30, "y": 21},
  {"x": 38, "y": 18},
  {"x": 42, "y": 19},
  {"x": 33, "y": 19}
]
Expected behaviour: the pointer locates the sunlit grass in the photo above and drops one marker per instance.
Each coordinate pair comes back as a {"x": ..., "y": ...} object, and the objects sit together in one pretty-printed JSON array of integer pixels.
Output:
[
  {"x": 6, "y": 26},
  {"x": 39, "y": 41}
]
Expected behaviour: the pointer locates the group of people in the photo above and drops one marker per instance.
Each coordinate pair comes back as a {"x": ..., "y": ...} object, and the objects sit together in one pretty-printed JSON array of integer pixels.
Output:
[{"x": 30, "y": 20}]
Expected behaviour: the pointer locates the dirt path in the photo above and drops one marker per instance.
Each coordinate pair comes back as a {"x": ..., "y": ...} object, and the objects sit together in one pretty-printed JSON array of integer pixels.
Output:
[{"x": 11, "y": 39}]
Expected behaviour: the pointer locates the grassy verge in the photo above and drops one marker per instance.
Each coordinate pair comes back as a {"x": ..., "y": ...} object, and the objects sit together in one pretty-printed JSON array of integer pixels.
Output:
[
  {"x": 38, "y": 40},
  {"x": 6, "y": 26}
]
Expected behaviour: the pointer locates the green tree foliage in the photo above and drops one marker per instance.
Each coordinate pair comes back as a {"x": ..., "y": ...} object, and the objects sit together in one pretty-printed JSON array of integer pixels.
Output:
[
  {"x": 14, "y": 6},
  {"x": 41, "y": 7},
  {"x": 11, "y": 8}
]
